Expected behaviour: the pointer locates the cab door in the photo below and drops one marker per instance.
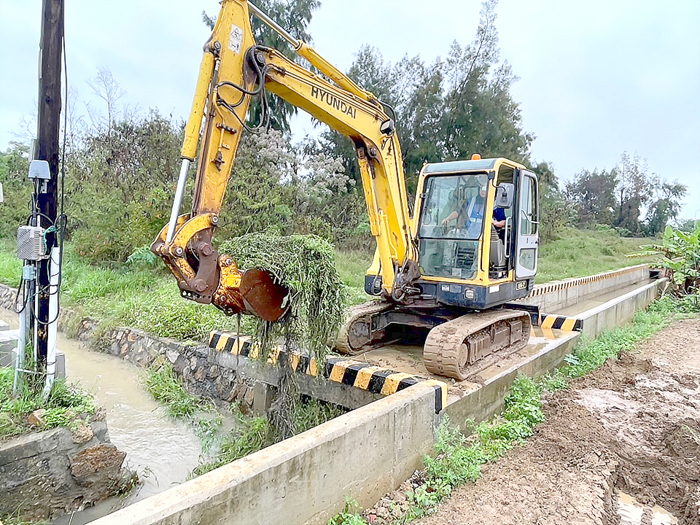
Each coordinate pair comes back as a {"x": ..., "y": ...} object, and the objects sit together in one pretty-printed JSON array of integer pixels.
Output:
[{"x": 527, "y": 226}]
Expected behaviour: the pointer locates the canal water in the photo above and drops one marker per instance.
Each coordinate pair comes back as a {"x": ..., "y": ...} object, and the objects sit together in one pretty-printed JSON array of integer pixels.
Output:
[{"x": 162, "y": 451}]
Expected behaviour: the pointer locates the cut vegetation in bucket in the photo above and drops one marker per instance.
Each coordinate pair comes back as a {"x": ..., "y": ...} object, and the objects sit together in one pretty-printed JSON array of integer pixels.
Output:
[{"x": 305, "y": 265}]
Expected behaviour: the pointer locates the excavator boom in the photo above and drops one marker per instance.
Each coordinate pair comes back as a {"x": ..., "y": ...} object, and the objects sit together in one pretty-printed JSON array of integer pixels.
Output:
[
  {"x": 233, "y": 71},
  {"x": 430, "y": 274}
]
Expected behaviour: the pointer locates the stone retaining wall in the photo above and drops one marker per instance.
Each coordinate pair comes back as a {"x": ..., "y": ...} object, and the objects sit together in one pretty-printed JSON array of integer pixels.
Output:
[
  {"x": 46, "y": 474},
  {"x": 197, "y": 365}
]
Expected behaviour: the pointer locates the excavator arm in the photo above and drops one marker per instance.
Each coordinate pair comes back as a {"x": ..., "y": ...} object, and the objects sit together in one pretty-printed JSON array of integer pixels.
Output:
[{"x": 233, "y": 71}]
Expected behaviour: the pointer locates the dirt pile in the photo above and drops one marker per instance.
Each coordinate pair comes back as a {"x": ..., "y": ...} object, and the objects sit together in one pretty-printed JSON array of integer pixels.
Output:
[{"x": 631, "y": 426}]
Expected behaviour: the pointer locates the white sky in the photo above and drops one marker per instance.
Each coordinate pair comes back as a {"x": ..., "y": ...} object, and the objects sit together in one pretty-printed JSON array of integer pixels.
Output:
[{"x": 597, "y": 77}]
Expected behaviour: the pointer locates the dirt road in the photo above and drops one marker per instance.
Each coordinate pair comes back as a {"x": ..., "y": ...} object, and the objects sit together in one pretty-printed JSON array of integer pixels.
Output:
[{"x": 633, "y": 426}]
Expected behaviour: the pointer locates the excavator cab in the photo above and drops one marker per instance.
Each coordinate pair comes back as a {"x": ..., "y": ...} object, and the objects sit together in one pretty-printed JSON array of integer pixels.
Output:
[{"x": 477, "y": 226}]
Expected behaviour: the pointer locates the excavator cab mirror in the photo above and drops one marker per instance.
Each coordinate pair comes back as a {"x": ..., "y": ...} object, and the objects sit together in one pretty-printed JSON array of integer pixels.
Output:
[{"x": 504, "y": 195}]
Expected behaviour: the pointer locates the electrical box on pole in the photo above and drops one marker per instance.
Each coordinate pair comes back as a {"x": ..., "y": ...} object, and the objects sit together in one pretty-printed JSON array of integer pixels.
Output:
[{"x": 36, "y": 241}]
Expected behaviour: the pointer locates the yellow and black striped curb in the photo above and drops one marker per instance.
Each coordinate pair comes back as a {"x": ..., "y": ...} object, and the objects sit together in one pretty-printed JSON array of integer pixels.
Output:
[
  {"x": 561, "y": 322},
  {"x": 357, "y": 374},
  {"x": 379, "y": 380},
  {"x": 542, "y": 289}
]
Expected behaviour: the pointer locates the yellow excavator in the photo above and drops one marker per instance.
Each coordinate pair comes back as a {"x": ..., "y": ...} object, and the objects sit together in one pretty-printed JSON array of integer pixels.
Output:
[{"x": 448, "y": 273}]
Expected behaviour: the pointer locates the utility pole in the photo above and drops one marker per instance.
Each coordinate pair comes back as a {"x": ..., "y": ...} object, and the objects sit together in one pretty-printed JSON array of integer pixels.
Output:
[{"x": 47, "y": 148}]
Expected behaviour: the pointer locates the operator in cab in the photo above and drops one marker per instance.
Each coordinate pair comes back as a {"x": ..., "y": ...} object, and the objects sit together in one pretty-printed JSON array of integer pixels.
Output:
[{"x": 470, "y": 214}]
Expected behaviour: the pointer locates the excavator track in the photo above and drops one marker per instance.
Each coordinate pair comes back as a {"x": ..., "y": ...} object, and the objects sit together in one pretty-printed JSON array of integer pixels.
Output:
[
  {"x": 356, "y": 335},
  {"x": 464, "y": 346}
]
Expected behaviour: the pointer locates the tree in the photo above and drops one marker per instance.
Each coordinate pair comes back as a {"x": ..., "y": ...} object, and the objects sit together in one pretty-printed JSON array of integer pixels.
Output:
[
  {"x": 255, "y": 196},
  {"x": 665, "y": 207},
  {"x": 618, "y": 197},
  {"x": 634, "y": 190},
  {"x": 480, "y": 116},
  {"x": 108, "y": 89},
  {"x": 119, "y": 186},
  {"x": 15, "y": 210},
  {"x": 592, "y": 195},
  {"x": 448, "y": 109}
]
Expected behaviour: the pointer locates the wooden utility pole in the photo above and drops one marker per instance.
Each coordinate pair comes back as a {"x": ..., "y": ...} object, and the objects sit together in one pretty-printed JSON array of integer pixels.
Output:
[{"x": 47, "y": 147}]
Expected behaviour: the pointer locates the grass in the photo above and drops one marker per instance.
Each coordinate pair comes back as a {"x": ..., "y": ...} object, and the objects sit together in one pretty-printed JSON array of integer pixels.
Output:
[
  {"x": 147, "y": 298},
  {"x": 67, "y": 406},
  {"x": 351, "y": 267},
  {"x": 166, "y": 387},
  {"x": 578, "y": 253},
  {"x": 257, "y": 433},
  {"x": 458, "y": 458},
  {"x": 10, "y": 265}
]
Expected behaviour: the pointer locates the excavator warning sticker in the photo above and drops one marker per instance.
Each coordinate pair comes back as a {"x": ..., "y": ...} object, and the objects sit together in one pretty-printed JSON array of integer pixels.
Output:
[{"x": 236, "y": 39}]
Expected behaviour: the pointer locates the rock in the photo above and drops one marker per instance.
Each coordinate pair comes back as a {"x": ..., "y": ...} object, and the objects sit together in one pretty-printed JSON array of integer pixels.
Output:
[
  {"x": 249, "y": 396},
  {"x": 172, "y": 355},
  {"x": 81, "y": 433},
  {"x": 99, "y": 415},
  {"x": 383, "y": 513},
  {"x": 200, "y": 374},
  {"x": 36, "y": 418},
  {"x": 97, "y": 464}
]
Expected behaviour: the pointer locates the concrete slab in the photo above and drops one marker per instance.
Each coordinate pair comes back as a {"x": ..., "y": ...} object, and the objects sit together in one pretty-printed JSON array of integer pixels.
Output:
[{"x": 8, "y": 347}]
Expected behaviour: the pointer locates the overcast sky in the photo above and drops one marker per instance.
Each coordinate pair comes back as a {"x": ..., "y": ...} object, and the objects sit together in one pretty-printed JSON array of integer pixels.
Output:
[{"x": 597, "y": 77}]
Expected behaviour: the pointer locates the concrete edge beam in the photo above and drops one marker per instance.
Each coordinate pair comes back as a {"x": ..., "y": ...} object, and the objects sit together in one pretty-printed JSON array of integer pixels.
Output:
[
  {"x": 305, "y": 479},
  {"x": 487, "y": 399},
  {"x": 620, "y": 310},
  {"x": 557, "y": 295}
]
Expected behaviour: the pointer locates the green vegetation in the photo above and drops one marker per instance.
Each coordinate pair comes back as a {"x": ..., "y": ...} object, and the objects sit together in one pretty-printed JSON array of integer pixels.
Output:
[
  {"x": 577, "y": 253},
  {"x": 16, "y": 519},
  {"x": 66, "y": 406},
  {"x": 305, "y": 265},
  {"x": 617, "y": 196},
  {"x": 256, "y": 433},
  {"x": 681, "y": 256},
  {"x": 352, "y": 266},
  {"x": 165, "y": 386},
  {"x": 458, "y": 458}
]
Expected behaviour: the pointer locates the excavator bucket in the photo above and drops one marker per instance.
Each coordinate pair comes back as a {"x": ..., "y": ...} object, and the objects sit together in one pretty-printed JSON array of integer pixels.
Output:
[{"x": 262, "y": 296}]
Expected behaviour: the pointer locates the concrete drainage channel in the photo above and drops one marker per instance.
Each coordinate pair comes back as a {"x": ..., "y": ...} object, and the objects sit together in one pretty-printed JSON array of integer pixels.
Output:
[{"x": 371, "y": 450}]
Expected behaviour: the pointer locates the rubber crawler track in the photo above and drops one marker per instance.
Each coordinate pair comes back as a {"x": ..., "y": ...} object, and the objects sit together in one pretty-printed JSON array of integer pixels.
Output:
[
  {"x": 445, "y": 350},
  {"x": 356, "y": 313}
]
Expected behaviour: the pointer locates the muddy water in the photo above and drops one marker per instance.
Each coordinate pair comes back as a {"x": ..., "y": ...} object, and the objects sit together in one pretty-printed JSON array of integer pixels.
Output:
[
  {"x": 162, "y": 451},
  {"x": 631, "y": 512}
]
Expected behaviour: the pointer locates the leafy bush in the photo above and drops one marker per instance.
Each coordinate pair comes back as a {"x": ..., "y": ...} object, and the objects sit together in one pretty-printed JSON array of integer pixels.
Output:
[
  {"x": 14, "y": 167},
  {"x": 681, "y": 251}
]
